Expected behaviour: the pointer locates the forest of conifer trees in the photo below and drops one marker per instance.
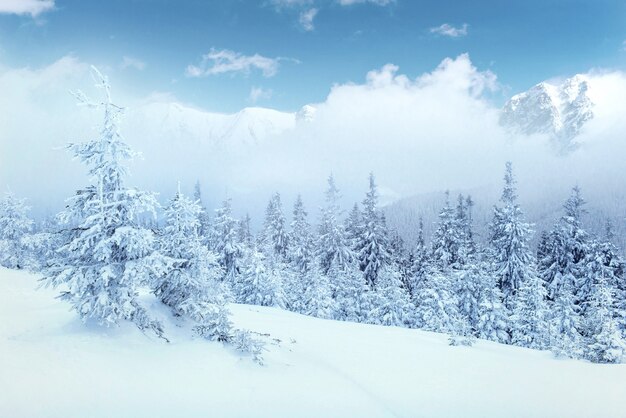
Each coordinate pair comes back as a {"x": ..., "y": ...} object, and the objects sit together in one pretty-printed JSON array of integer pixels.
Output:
[{"x": 567, "y": 295}]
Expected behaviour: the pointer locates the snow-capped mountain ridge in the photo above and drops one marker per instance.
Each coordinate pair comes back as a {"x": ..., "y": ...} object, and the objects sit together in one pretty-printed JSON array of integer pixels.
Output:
[
  {"x": 251, "y": 125},
  {"x": 556, "y": 109}
]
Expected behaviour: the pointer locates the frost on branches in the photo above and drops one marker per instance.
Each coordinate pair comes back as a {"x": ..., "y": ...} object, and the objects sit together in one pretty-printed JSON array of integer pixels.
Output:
[
  {"x": 15, "y": 226},
  {"x": 107, "y": 254}
]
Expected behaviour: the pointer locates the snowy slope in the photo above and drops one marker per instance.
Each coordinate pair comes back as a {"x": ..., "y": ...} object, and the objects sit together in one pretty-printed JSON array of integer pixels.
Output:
[
  {"x": 54, "y": 366},
  {"x": 557, "y": 109}
]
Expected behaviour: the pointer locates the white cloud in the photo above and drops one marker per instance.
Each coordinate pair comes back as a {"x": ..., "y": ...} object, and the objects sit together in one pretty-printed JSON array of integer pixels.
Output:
[
  {"x": 280, "y": 4},
  {"x": 449, "y": 30},
  {"x": 377, "y": 2},
  {"x": 26, "y": 7},
  {"x": 306, "y": 19},
  {"x": 418, "y": 134},
  {"x": 227, "y": 61},
  {"x": 130, "y": 62},
  {"x": 259, "y": 93}
]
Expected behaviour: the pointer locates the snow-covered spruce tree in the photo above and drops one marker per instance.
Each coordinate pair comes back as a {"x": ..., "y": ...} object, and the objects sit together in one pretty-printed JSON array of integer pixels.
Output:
[
  {"x": 107, "y": 254},
  {"x": 352, "y": 226},
  {"x": 493, "y": 316},
  {"x": 225, "y": 245},
  {"x": 244, "y": 233},
  {"x": 421, "y": 260},
  {"x": 446, "y": 240},
  {"x": 316, "y": 298},
  {"x": 463, "y": 224},
  {"x": 530, "y": 315},
  {"x": 390, "y": 302},
  {"x": 566, "y": 250},
  {"x": 193, "y": 288},
  {"x": 600, "y": 324},
  {"x": 565, "y": 339},
  {"x": 333, "y": 249},
  {"x": 203, "y": 217},
  {"x": 301, "y": 269},
  {"x": 352, "y": 296},
  {"x": 509, "y": 240},
  {"x": 259, "y": 284},
  {"x": 301, "y": 250},
  {"x": 15, "y": 227},
  {"x": 469, "y": 287},
  {"x": 372, "y": 248},
  {"x": 274, "y": 238},
  {"x": 437, "y": 303},
  {"x": 401, "y": 260}
]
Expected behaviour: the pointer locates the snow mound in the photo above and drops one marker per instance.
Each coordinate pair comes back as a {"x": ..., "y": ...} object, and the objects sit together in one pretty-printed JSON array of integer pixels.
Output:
[{"x": 52, "y": 365}]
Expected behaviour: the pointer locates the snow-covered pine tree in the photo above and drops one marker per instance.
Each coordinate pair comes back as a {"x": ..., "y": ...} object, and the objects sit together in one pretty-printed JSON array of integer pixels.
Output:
[
  {"x": 107, "y": 253},
  {"x": 274, "y": 238},
  {"x": 352, "y": 296},
  {"x": 463, "y": 224},
  {"x": 530, "y": 315},
  {"x": 259, "y": 284},
  {"x": 437, "y": 304},
  {"x": 567, "y": 248},
  {"x": 203, "y": 217},
  {"x": 316, "y": 295},
  {"x": 469, "y": 288},
  {"x": 352, "y": 226},
  {"x": 244, "y": 233},
  {"x": 565, "y": 339},
  {"x": 372, "y": 247},
  {"x": 15, "y": 227},
  {"x": 401, "y": 260},
  {"x": 299, "y": 279},
  {"x": 301, "y": 250},
  {"x": 446, "y": 240},
  {"x": 421, "y": 260},
  {"x": 493, "y": 316},
  {"x": 600, "y": 316},
  {"x": 390, "y": 302},
  {"x": 193, "y": 288},
  {"x": 333, "y": 249},
  {"x": 225, "y": 245},
  {"x": 509, "y": 240}
]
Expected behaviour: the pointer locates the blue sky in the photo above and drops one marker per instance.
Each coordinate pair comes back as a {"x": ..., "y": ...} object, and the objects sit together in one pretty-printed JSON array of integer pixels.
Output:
[{"x": 272, "y": 56}]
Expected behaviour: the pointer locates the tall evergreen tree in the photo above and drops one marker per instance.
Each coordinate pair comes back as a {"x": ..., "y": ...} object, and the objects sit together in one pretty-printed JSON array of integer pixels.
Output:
[
  {"x": 568, "y": 247},
  {"x": 192, "y": 289},
  {"x": 274, "y": 238},
  {"x": 259, "y": 284},
  {"x": 244, "y": 233},
  {"x": 333, "y": 247},
  {"x": 352, "y": 226},
  {"x": 107, "y": 253},
  {"x": 446, "y": 240},
  {"x": 509, "y": 240},
  {"x": 15, "y": 226},
  {"x": 372, "y": 247},
  {"x": 301, "y": 251},
  {"x": 421, "y": 260},
  {"x": 565, "y": 338},
  {"x": 205, "y": 221},
  {"x": 606, "y": 344},
  {"x": 530, "y": 319},
  {"x": 225, "y": 243}
]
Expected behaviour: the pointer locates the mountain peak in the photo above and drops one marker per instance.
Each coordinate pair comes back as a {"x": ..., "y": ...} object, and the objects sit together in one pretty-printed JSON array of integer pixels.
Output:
[{"x": 559, "y": 109}]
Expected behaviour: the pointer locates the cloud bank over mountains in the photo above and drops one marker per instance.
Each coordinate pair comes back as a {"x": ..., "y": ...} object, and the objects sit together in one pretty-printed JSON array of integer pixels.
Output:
[{"x": 438, "y": 131}]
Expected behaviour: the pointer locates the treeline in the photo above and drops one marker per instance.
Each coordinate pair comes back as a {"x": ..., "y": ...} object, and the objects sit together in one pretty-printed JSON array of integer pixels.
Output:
[{"x": 569, "y": 296}]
